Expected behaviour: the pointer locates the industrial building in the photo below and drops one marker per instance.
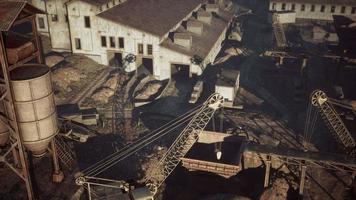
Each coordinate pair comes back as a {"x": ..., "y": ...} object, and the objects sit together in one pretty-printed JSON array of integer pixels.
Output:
[
  {"x": 182, "y": 38},
  {"x": 315, "y": 10}
]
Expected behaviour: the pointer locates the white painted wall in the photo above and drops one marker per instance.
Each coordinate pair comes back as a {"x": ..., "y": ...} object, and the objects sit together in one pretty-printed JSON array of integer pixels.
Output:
[
  {"x": 308, "y": 14},
  {"x": 41, "y": 5},
  {"x": 57, "y": 30}
]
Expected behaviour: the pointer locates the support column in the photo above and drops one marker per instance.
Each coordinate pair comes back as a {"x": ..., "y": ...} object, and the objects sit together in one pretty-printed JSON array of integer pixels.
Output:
[
  {"x": 281, "y": 60},
  {"x": 302, "y": 179},
  {"x": 15, "y": 129},
  {"x": 268, "y": 170},
  {"x": 58, "y": 175}
]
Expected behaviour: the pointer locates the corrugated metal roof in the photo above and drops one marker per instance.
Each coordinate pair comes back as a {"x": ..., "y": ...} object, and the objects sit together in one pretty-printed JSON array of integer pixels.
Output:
[
  {"x": 152, "y": 16},
  {"x": 330, "y": 2},
  {"x": 10, "y": 10}
]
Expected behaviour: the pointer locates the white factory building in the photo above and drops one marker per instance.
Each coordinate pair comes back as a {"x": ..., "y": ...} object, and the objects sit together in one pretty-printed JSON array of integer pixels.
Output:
[
  {"x": 166, "y": 36},
  {"x": 315, "y": 9}
]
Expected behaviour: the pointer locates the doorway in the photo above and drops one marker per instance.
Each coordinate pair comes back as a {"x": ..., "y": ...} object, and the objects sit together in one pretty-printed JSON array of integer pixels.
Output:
[
  {"x": 148, "y": 64},
  {"x": 180, "y": 71},
  {"x": 118, "y": 59}
]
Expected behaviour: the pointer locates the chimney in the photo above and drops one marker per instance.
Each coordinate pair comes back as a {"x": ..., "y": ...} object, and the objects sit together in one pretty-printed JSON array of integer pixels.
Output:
[
  {"x": 195, "y": 27},
  {"x": 183, "y": 39},
  {"x": 204, "y": 17},
  {"x": 212, "y": 8}
]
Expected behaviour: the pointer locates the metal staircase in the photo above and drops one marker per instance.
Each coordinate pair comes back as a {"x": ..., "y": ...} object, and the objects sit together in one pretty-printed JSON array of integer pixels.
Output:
[
  {"x": 279, "y": 35},
  {"x": 65, "y": 153}
]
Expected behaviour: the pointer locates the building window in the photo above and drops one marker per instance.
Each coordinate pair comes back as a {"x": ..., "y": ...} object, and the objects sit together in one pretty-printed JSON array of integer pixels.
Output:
[
  {"x": 332, "y": 9},
  {"x": 78, "y": 45},
  {"x": 87, "y": 21},
  {"x": 312, "y": 8},
  {"x": 66, "y": 18},
  {"x": 149, "y": 49},
  {"x": 41, "y": 23},
  {"x": 103, "y": 41},
  {"x": 54, "y": 18},
  {"x": 343, "y": 9},
  {"x": 302, "y": 7},
  {"x": 140, "y": 48},
  {"x": 322, "y": 8},
  {"x": 112, "y": 42},
  {"x": 121, "y": 43},
  {"x": 293, "y": 6},
  {"x": 353, "y": 10},
  {"x": 273, "y": 6},
  {"x": 283, "y": 6}
]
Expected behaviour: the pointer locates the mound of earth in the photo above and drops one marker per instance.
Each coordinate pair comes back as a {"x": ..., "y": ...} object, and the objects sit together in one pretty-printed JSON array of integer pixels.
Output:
[{"x": 64, "y": 77}]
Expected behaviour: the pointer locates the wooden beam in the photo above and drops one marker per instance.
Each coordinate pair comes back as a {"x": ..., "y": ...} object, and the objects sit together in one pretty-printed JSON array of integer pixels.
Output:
[
  {"x": 268, "y": 170},
  {"x": 302, "y": 179}
]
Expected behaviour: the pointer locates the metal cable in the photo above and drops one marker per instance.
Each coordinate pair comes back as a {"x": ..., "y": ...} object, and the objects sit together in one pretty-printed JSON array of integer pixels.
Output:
[{"x": 127, "y": 148}]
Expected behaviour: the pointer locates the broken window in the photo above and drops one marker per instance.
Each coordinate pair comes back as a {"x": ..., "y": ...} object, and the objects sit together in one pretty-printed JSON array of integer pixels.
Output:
[
  {"x": 322, "y": 8},
  {"x": 283, "y": 6},
  {"x": 41, "y": 23},
  {"x": 312, "y": 8},
  {"x": 273, "y": 6},
  {"x": 302, "y": 8},
  {"x": 149, "y": 49},
  {"x": 332, "y": 9},
  {"x": 353, "y": 10},
  {"x": 112, "y": 42},
  {"x": 293, "y": 6},
  {"x": 78, "y": 45},
  {"x": 140, "y": 48},
  {"x": 103, "y": 41},
  {"x": 121, "y": 43},
  {"x": 87, "y": 21},
  {"x": 343, "y": 9},
  {"x": 54, "y": 18}
]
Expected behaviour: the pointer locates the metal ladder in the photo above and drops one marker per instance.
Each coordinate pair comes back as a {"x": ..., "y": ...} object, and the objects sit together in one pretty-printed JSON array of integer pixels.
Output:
[
  {"x": 65, "y": 153},
  {"x": 279, "y": 34}
]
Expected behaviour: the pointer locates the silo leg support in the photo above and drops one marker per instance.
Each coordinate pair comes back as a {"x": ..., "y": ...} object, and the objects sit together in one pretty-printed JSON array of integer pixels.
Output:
[
  {"x": 268, "y": 170},
  {"x": 58, "y": 175}
]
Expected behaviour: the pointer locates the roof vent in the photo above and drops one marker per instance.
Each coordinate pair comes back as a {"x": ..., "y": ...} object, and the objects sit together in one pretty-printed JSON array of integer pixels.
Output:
[
  {"x": 212, "y": 8},
  {"x": 183, "y": 39},
  {"x": 195, "y": 27},
  {"x": 204, "y": 16}
]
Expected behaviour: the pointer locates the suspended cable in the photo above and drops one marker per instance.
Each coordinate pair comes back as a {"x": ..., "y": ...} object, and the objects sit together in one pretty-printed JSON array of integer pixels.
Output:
[{"x": 128, "y": 148}]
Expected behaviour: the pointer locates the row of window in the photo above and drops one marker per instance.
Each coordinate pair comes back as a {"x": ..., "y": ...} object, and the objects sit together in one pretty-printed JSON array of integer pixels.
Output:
[
  {"x": 121, "y": 44},
  {"x": 313, "y": 8},
  {"x": 112, "y": 42}
]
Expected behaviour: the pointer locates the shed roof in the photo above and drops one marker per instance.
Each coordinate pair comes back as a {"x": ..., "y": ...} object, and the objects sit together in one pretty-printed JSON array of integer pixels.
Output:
[
  {"x": 335, "y": 2},
  {"x": 93, "y": 2},
  {"x": 10, "y": 11},
  {"x": 156, "y": 17},
  {"x": 202, "y": 43},
  {"x": 228, "y": 77}
]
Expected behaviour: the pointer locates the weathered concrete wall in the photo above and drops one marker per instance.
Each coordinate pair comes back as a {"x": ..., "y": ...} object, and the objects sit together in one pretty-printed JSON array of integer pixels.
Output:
[
  {"x": 308, "y": 14},
  {"x": 59, "y": 30}
]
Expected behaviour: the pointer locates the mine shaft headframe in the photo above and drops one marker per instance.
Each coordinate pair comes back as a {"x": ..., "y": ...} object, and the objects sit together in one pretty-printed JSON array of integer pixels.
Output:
[{"x": 318, "y": 98}]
